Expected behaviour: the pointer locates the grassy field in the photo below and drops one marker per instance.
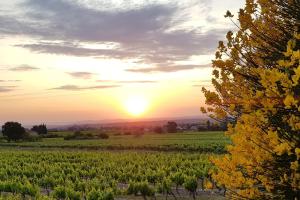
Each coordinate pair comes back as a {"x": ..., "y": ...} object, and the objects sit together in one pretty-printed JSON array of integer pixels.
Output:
[{"x": 189, "y": 141}]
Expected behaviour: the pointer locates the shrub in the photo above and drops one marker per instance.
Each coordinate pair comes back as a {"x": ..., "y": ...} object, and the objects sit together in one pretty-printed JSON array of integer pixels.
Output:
[
  {"x": 13, "y": 131},
  {"x": 178, "y": 179},
  {"x": 100, "y": 195},
  {"x": 32, "y": 138},
  {"x": 191, "y": 185},
  {"x": 172, "y": 127},
  {"x": 158, "y": 130},
  {"x": 77, "y": 134},
  {"x": 127, "y": 133},
  {"x": 256, "y": 78},
  {"x": 40, "y": 129},
  {"x": 133, "y": 188},
  {"x": 146, "y": 190},
  {"x": 142, "y": 188},
  {"x": 103, "y": 136},
  {"x": 165, "y": 187},
  {"x": 60, "y": 192}
]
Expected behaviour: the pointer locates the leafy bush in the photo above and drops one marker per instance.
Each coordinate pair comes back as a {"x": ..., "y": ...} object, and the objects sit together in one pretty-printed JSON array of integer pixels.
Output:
[
  {"x": 142, "y": 188},
  {"x": 32, "y": 138},
  {"x": 13, "y": 131},
  {"x": 77, "y": 135},
  {"x": 29, "y": 189},
  {"x": 127, "y": 133},
  {"x": 52, "y": 135},
  {"x": 158, "y": 130},
  {"x": 133, "y": 188},
  {"x": 256, "y": 78},
  {"x": 60, "y": 192},
  {"x": 191, "y": 185},
  {"x": 40, "y": 129},
  {"x": 146, "y": 190},
  {"x": 103, "y": 136},
  {"x": 165, "y": 187},
  {"x": 171, "y": 127},
  {"x": 178, "y": 179},
  {"x": 100, "y": 195}
]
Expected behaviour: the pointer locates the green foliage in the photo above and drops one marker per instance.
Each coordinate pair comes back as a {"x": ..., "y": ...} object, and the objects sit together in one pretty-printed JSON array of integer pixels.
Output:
[
  {"x": 178, "y": 178},
  {"x": 133, "y": 188},
  {"x": 146, "y": 190},
  {"x": 19, "y": 188},
  {"x": 191, "y": 185},
  {"x": 60, "y": 192},
  {"x": 103, "y": 136},
  {"x": 29, "y": 189},
  {"x": 165, "y": 187},
  {"x": 201, "y": 142},
  {"x": 73, "y": 194},
  {"x": 142, "y": 188},
  {"x": 99, "y": 195},
  {"x": 95, "y": 175},
  {"x": 47, "y": 182},
  {"x": 78, "y": 135},
  {"x": 256, "y": 79}
]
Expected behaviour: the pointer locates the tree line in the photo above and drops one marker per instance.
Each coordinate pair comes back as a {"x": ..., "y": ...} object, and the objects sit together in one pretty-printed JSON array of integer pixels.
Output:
[{"x": 14, "y": 131}]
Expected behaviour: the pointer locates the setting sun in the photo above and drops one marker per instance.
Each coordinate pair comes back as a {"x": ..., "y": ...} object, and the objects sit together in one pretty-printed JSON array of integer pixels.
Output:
[{"x": 136, "y": 105}]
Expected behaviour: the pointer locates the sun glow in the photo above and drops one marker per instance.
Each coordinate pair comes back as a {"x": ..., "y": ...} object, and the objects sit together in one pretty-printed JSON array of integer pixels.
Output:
[{"x": 136, "y": 105}]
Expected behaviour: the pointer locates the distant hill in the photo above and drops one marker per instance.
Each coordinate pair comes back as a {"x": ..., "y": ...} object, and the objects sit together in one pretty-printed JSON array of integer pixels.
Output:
[{"x": 131, "y": 122}]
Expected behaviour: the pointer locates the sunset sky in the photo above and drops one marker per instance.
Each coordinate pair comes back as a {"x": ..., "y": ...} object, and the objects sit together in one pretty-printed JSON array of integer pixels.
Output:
[{"x": 65, "y": 61}]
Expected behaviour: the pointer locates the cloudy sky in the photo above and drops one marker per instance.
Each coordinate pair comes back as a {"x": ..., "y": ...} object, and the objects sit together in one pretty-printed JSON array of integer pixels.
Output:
[{"x": 74, "y": 60}]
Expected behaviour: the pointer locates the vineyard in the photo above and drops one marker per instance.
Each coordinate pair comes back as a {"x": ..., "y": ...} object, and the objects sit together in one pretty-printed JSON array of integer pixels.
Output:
[{"x": 53, "y": 174}]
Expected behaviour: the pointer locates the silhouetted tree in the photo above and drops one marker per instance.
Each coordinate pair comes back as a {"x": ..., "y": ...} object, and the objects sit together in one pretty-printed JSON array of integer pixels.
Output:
[
  {"x": 40, "y": 129},
  {"x": 158, "y": 130},
  {"x": 13, "y": 131},
  {"x": 172, "y": 127},
  {"x": 208, "y": 124}
]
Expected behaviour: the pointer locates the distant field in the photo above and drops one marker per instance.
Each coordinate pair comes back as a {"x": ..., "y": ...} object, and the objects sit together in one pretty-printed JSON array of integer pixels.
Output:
[{"x": 190, "y": 141}]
